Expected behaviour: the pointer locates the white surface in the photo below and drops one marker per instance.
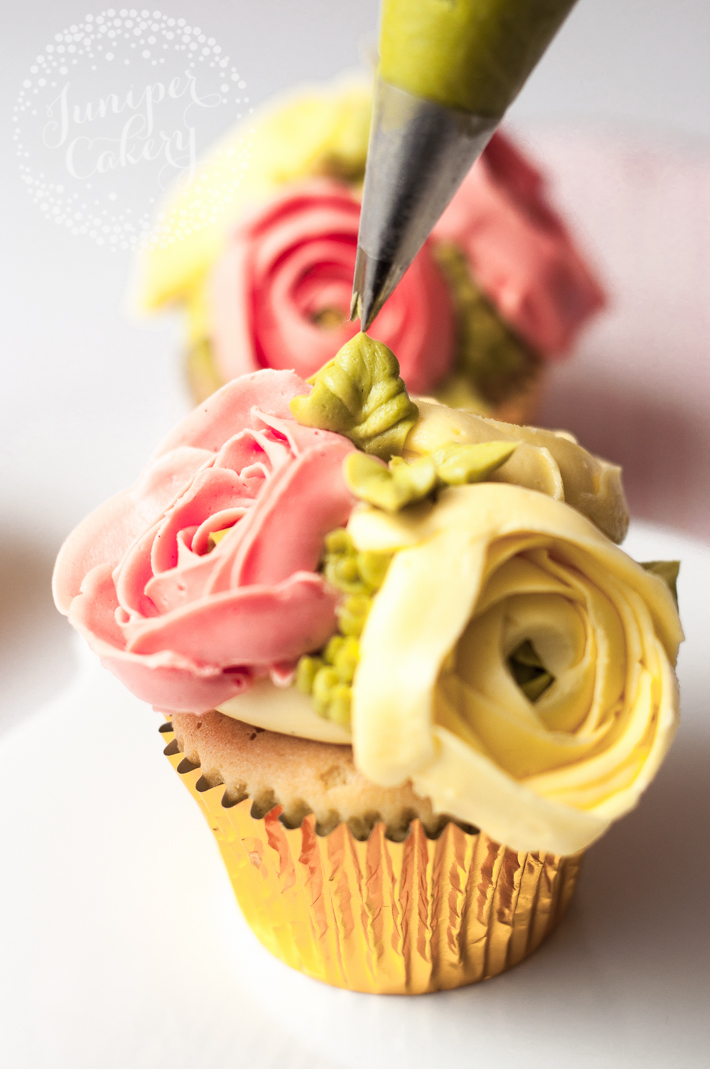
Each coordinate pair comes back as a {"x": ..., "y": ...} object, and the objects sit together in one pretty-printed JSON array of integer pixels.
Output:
[{"x": 122, "y": 945}]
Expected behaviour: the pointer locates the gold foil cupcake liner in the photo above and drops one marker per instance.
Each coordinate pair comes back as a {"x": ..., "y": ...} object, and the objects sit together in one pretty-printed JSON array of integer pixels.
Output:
[{"x": 380, "y": 916}]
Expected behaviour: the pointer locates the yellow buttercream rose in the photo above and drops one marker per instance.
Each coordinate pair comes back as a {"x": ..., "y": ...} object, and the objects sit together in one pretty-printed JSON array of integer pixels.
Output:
[
  {"x": 488, "y": 571},
  {"x": 551, "y": 462}
]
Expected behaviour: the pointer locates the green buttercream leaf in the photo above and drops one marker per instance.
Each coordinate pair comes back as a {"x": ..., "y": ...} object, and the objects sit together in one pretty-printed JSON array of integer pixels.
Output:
[
  {"x": 306, "y": 672},
  {"x": 392, "y": 487},
  {"x": 404, "y": 483},
  {"x": 667, "y": 570},
  {"x": 359, "y": 394},
  {"x": 459, "y": 464}
]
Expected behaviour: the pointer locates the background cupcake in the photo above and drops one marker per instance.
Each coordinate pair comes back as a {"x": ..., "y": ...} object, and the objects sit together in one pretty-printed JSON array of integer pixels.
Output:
[{"x": 265, "y": 272}]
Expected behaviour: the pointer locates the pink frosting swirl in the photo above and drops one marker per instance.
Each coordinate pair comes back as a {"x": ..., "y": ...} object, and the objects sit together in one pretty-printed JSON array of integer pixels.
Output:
[
  {"x": 186, "y": 628},
  {"x": 519, "y": 251},
  {"x": 290, "y": 263}
]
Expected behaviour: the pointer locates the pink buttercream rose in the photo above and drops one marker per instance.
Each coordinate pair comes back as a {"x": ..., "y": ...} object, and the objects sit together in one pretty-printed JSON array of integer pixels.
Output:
[
  {"x": 186, "y": 626},
  {"x": 281, "y": 292},
  {"x": 519, "y": 251}
]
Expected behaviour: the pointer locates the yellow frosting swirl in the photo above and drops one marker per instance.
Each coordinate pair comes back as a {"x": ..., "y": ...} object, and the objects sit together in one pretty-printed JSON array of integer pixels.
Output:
[
  {"x": 487, "y": 568},
  {"x": 549, "y": 461}
]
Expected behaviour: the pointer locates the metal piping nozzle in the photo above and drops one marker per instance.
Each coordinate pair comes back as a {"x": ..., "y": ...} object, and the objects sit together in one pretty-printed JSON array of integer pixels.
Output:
[{"x": 419, "y": 153}]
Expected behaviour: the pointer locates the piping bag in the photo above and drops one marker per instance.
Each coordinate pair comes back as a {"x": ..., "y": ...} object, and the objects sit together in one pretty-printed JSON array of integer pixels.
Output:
[{"x": 448, "y": 71}]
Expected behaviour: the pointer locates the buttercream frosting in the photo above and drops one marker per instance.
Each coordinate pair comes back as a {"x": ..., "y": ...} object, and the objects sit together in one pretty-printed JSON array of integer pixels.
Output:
[
  {"x": 186, "y": 628},
  {"x": 486, "y": 568},
  {"x": 551, "y": 462},
  {"x": 240, "y": 563}
]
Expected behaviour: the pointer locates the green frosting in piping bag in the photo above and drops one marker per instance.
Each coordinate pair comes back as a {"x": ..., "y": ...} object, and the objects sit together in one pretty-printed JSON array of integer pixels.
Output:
[{"x": 469, "y": 54}]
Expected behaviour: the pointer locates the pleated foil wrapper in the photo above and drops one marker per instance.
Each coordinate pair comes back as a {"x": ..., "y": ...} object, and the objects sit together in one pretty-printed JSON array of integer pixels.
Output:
[{"x": 380, "y": 916}]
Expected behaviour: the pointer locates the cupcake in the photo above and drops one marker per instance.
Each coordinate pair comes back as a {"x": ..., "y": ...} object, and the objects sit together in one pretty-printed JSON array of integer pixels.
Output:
[
  {"x": 260, "y": 251},
  {"x": 405, "y": 670}
]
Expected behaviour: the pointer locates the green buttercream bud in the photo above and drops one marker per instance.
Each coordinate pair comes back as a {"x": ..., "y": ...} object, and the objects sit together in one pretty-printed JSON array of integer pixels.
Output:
[
  {"x": 667, "y": 570},
  {"x": 339, "y": 708},
  {"x": 335, "y": 644},
  {"x": 459, "y": 464},
  {"x": 328, "y": 676},
  {"x": 306, "y": 672},
  {"x": 325, "y": 680},
  {"x": 343, "y": 573},
  {"x": 340, "y": 563},
  {"x": 339, "y": 541},
  {"x": 373, "y": 568},
  {"x": 352, "y": 614},
  {"x": 389, "y": 488},
  {"x": 359, "y": 394},
  {"x": 346, "y": 659}
]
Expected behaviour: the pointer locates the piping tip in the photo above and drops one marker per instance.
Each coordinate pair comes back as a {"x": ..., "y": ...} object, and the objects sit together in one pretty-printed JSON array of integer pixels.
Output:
[
  {"x": 372, "y": 286},
  {"x": 419, "y": 153}
]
